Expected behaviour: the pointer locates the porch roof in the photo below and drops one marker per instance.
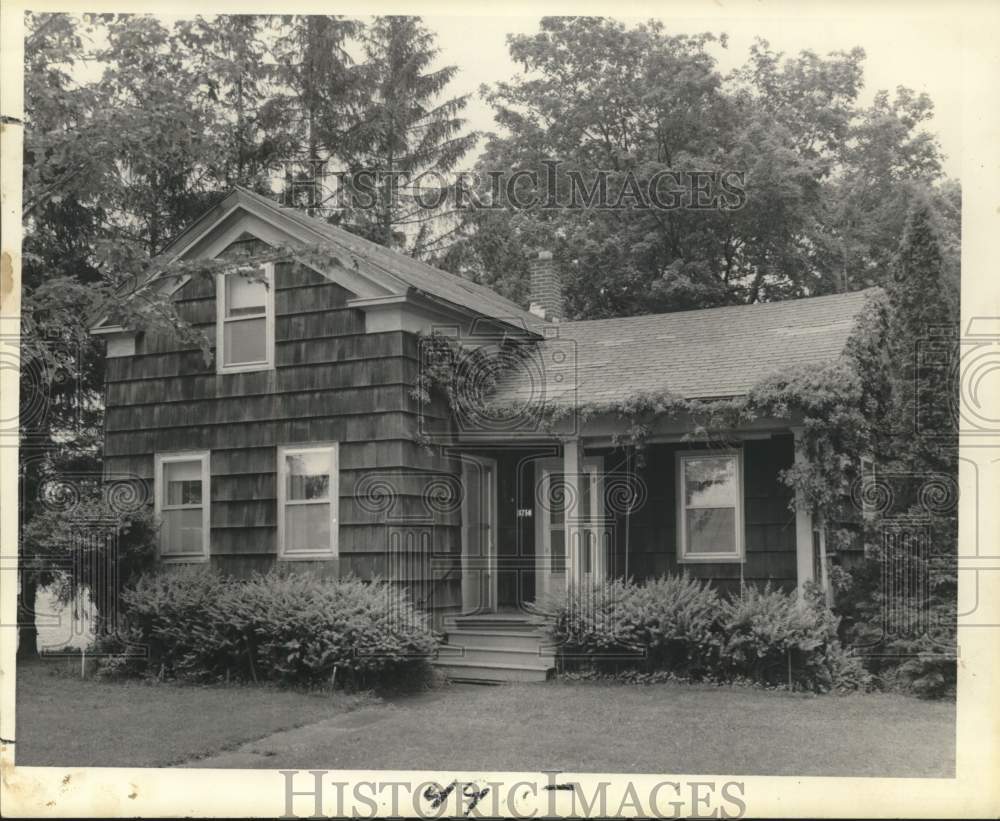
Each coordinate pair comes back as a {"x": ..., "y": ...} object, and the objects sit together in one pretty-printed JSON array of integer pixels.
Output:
[{"x": 701, "y": 354}]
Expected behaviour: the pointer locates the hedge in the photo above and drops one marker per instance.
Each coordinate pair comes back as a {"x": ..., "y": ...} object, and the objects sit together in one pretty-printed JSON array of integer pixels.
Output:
[
  {"x": 682, "y": 625},
  {"x": 290, "y": 629}
]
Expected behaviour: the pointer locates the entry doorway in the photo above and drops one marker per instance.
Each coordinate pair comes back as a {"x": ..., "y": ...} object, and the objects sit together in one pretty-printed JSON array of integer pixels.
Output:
[
  {"x": 479, "y": 534},
  {"x": 579, "y": 554}
]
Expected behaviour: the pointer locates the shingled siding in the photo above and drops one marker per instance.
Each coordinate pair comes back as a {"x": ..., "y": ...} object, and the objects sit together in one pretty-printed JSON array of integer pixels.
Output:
[
  {"x": 770, "y": 523},
  {"x": 332, "y": 382}
]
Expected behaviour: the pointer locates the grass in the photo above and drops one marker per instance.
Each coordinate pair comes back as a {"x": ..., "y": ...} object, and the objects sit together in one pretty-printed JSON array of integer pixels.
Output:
[
  {"x": 599, "y": 727},
  {"x": 63, "y": 720},
  {"x": 570, "y": 726}
]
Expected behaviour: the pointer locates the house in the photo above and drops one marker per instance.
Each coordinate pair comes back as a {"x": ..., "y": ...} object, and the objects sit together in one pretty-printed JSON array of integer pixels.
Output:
[{"x": 303, "y": 445}]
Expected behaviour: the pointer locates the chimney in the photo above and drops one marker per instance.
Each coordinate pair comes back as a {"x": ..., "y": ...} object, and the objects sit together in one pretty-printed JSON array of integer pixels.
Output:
[{"x": 546, "y": 288}]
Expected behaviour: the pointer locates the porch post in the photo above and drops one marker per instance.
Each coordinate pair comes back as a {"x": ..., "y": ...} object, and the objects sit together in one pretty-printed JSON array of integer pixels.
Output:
[
  {"x": 803, "y": 525},
  {"x": 572, "y": 463}
]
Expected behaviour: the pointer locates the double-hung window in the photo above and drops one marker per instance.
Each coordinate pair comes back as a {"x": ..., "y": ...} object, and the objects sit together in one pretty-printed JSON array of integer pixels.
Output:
[
  {"x": 709, "y": 506},
  {"x": 245, "y": 323},
  {"x": 182, "y": 504},
  {"x": 307, "y": 501}
]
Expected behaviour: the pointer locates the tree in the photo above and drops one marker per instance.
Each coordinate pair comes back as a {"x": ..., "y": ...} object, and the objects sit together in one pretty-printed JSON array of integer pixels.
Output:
[
  {"x": 923, "y": 332},
  {"x": 319, "y": 87},
  {"x": 404, "y": 138},
  {"x": 237, "y": 84},
  {"x": 910, "y": 577},
  {"x": 654, "y": 104},
  {"x": 885, "y": 160},
  {"x": 112, "y": 169},
  {"x": 166, "y": 156}
]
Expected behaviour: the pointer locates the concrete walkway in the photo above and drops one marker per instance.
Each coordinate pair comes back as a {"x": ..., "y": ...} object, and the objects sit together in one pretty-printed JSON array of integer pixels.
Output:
[{"x": 261, "y": 752}]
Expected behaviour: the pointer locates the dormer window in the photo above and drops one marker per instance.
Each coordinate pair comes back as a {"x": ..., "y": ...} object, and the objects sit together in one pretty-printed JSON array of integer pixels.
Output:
[{"x": 245, "y": 325}]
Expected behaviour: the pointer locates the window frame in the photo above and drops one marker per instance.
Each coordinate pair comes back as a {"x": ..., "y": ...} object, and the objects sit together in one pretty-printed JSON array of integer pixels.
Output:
[
  {"x": 681, "y": 508},
  {"x": 204, "y": 457},
  {"x": 221, "y": 320},
  {"x": 333, "y": 501}
]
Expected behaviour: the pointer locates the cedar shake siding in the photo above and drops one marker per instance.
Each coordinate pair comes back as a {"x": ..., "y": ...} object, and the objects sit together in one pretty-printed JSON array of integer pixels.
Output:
[
  {"x": 769, "y": 539},
  {"x": 332, "y": 382}
]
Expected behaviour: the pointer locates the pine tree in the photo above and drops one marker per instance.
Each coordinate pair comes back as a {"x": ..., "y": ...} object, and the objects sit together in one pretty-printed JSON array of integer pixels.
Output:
[
  {"x": 236, "y": 82},
  {"x": 403, "y": 136},
  {"x": 321, "y": 87},
  {"x": 923, "y": 329},
  {"x": 912, "y": 580}
]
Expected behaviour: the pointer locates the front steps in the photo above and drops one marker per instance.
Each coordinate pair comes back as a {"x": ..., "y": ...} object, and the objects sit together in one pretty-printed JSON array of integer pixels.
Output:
[{"x": 493, "y": 648}]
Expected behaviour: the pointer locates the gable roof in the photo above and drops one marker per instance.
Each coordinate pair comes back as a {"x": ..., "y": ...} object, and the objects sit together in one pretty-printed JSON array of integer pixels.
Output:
[
  {"x": 701, "y": 354},
  {"x": 398, "y": 273}
]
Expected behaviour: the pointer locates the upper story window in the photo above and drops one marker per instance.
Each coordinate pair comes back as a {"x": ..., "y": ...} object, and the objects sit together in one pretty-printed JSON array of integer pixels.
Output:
[
  {"x": 245, "y": 326},
  {"x": 709, "y": 506},
  {"x": 182, "y": 504}
]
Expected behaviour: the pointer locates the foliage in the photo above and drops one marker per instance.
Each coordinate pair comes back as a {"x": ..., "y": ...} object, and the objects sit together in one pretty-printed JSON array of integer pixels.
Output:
[
  {"x": 405, "y": 133},
  {"x": 588, "y": 620},
  {"x": 680, "y": 627},
  {"x": 465, "y": 377},
  {"x": 909, "y": 578},
  {"x": 290, "y": 629},
  {"x": 85, "y": 528},
  {"x": 669, "y": 621},
  {"x": 827, "y": 179},
  {"x": 769, "y": 637}
]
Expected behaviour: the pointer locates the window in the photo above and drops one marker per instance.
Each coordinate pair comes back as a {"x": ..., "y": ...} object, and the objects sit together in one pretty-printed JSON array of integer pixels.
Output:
[
  {"x": 307, "y": 501},
  {"x": 709, "y": 506},
  {"x": 183, "y": 505},
  {"x": 245, "y": 328}
]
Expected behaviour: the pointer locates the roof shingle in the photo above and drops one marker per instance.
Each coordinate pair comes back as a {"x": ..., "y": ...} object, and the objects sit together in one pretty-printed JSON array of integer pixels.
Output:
[
  {"x": 419, "y": 275},
  {"x": 701, "y": 354}
]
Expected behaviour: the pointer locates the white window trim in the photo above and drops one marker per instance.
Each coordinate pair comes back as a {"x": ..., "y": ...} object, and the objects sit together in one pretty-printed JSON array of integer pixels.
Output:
[
  {"x": 739, "y": 555},
  {"x": 204, "y": 457},
  {"x": 334, "y": 501},
  {"x": 220, "y": 320}
]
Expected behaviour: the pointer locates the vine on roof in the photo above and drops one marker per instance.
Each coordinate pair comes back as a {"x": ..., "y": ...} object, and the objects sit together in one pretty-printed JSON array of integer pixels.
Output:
[{"x": 836, "y": 406}]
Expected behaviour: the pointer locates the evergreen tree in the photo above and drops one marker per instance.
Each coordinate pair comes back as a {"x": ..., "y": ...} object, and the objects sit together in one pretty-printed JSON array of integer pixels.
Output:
[
  {"x": 320, "y": 89},
  {"x": 923, "y": 333},
  {"x": 407, "y": 139},
  {"x": 903, "y": 604},
  {"x": 236, "y": 83}
]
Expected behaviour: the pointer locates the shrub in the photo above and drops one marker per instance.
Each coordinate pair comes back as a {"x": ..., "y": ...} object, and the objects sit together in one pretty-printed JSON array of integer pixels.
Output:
[
  {"x": 664, "y": 624},
  {"x": 586, "y": 622},
  {"x": 772, "y": 638},
  {"x": 290, "y": 629},
  {"x": 921, "y": 659},
  {"x": 680, "y": 626},
  {"x": 672, "y": 619}
]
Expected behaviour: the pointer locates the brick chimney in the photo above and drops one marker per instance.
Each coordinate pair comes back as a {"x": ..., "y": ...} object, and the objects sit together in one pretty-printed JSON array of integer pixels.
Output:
[{"x": 546, "y": 287}]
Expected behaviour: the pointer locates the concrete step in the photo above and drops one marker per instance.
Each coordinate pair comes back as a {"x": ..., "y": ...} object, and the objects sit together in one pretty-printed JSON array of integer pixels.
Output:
[
  {"x": 497, "y": 639},
  {"x": 493, "y": 623},
  {"x": 491, "y": 673},
  {"x": 531, "y": 657}
]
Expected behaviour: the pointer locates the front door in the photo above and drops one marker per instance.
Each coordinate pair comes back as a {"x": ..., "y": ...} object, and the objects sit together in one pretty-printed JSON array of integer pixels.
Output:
[
  {"x": 479, "y": 527},
  {"x": 559, "y": 555}
]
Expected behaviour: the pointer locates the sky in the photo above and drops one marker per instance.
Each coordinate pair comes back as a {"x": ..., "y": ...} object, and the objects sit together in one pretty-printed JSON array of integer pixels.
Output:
[{"x": 921, "y": 52}]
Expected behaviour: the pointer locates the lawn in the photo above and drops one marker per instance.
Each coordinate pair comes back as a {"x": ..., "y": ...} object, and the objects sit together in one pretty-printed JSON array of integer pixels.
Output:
[
  {"x": 590, "y": 727},
  {"x": 64, "y": 720},
  {"x": 570, "y": 726}
]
